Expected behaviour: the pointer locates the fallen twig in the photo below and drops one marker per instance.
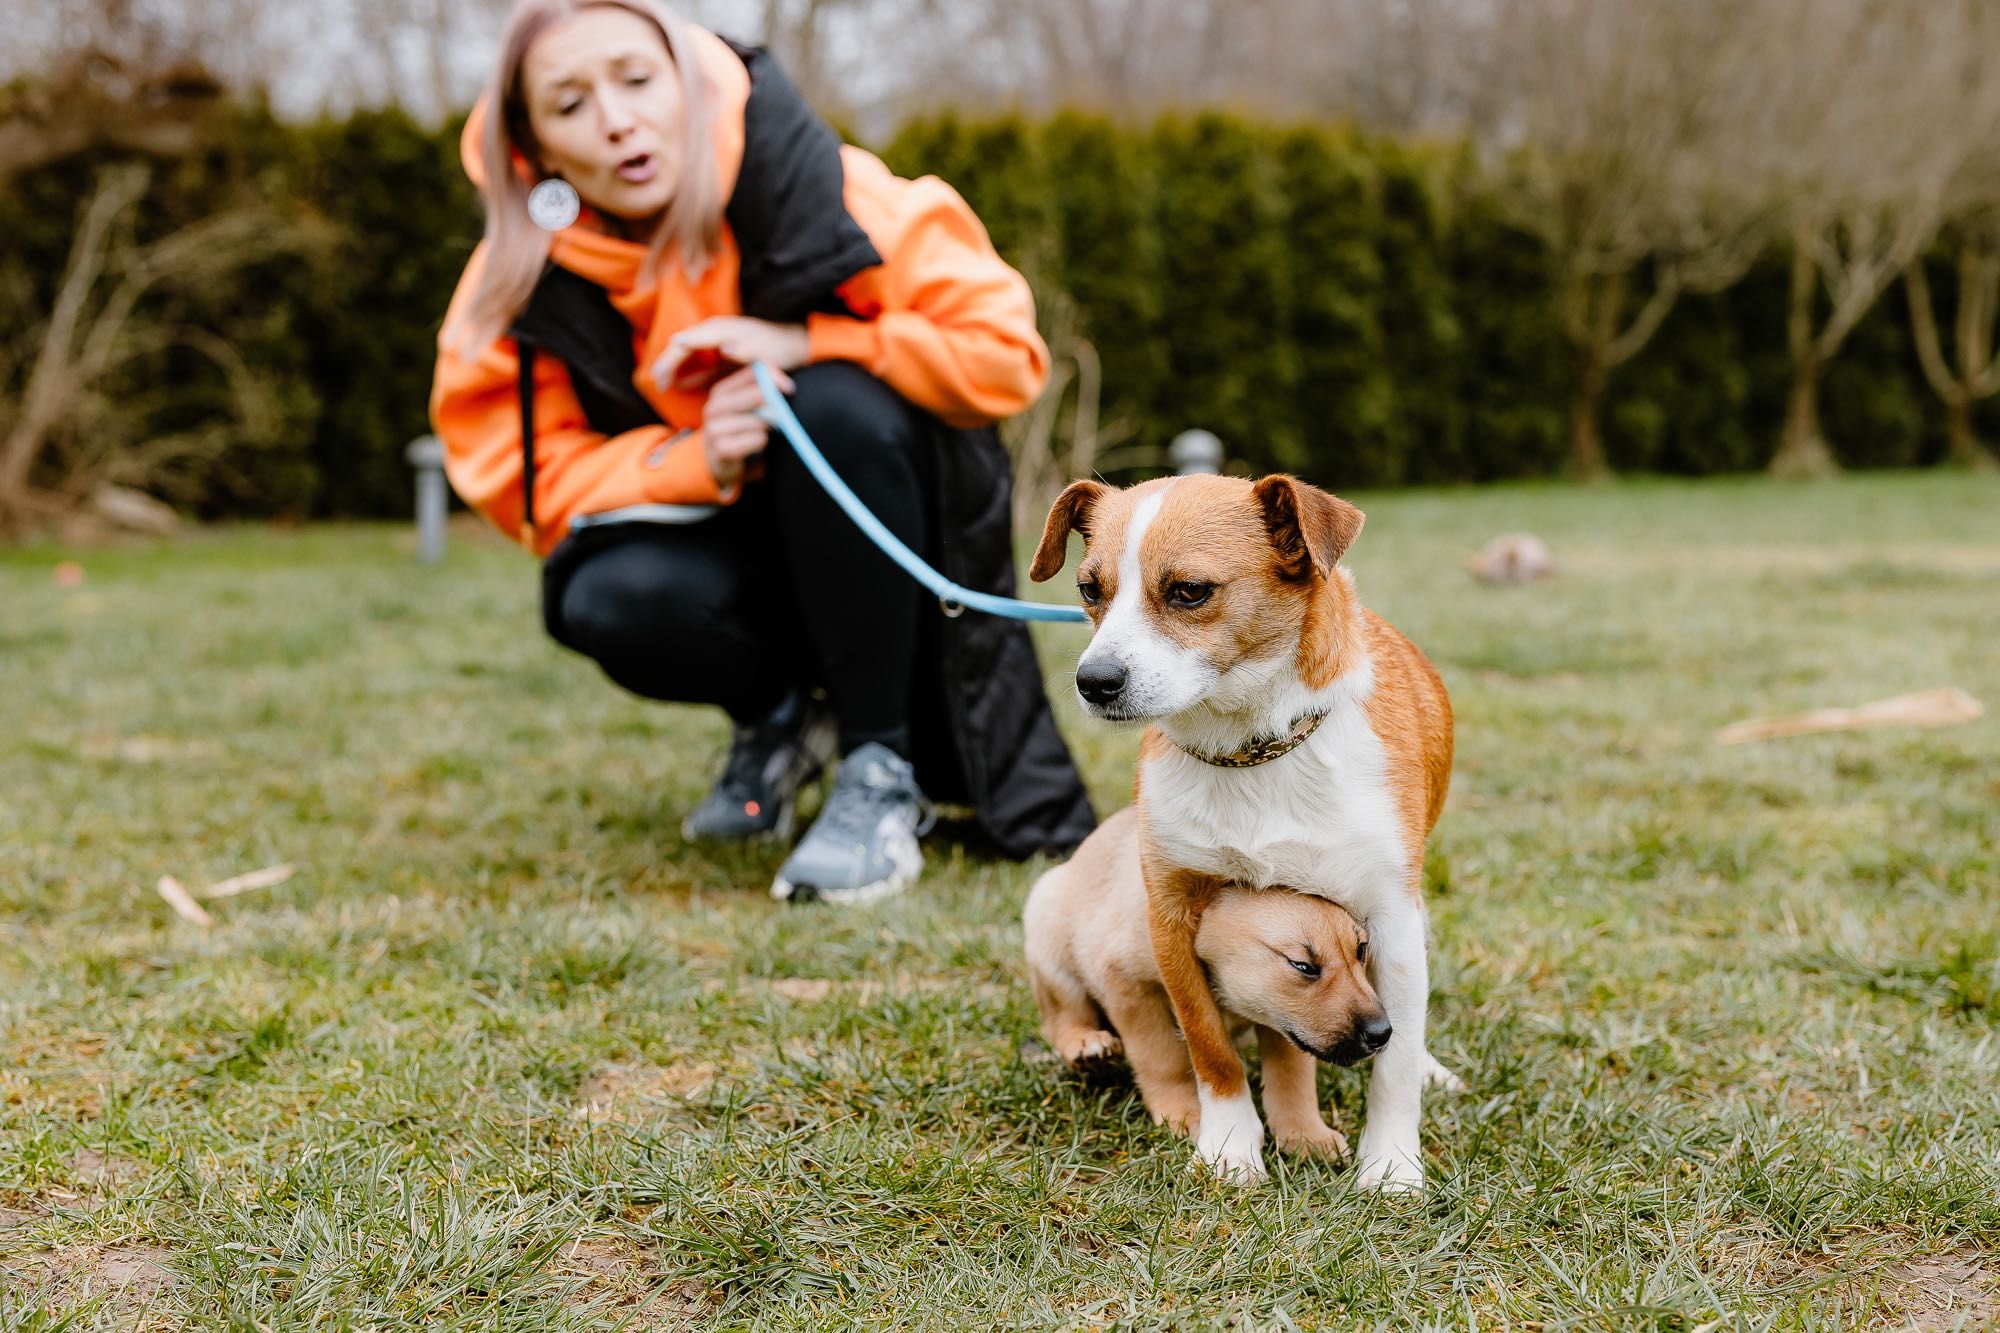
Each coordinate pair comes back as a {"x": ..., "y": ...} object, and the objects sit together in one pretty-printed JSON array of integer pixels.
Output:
[
  {"x": 182, "y": 901},
  {"x": 267, "y": 878},
  {"x": 1928, "y": 708}
]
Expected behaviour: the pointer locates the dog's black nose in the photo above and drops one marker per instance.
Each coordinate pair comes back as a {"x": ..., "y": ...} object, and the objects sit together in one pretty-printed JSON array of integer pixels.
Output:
[
  {"x": 1375, "y": 1033},
  {"x": 1100, "y": 682}
]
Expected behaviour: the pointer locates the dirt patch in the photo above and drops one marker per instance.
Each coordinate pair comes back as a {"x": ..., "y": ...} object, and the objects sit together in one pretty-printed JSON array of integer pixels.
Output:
[
  {"x": 103, "y": 1172},
  {"x": 146, "y": 749},
  {"x": 627, "y": 1094},
  {"x": 815, "y": 990},
  {"x": 1929, "y": 1293},
  {"x": 1948, "y": 1291},
  {"x": 803, "y": 990},
  {"x": 621, "y": 1274},
  {"x": 131, "y": 1279}
]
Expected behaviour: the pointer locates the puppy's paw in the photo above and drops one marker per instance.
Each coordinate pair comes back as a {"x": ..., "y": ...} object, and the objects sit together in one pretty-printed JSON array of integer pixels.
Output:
[
  {"x": 1321, "y": 1141},
  {"x": 1089, "y": 1052},
  {"x": 1182, "y": 1118},
  {"x": 1437, "y": 1076}
]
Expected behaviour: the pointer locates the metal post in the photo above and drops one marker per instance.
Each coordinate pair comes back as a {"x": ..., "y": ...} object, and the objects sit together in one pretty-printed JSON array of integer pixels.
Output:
[
  {"x": 426, "y": 455},
  {"x": 1195, "y": 451}
]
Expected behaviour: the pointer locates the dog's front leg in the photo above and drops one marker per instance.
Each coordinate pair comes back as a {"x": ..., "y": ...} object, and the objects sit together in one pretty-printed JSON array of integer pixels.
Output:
[
  {"x": 1230, "y": 1137},
  {"x": 1391, "y": 1156}
]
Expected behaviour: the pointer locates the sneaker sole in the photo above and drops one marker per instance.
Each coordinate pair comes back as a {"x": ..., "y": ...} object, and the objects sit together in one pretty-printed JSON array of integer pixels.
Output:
[{"x": 785, "y": 891}]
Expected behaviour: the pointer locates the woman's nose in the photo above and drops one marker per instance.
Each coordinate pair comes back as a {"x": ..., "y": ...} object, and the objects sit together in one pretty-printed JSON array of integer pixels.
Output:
[{"x": 618, "y": 118}]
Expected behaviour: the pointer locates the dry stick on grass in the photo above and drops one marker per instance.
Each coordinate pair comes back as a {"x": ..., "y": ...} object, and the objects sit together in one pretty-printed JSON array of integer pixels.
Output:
[
  {"x": 268, "y": 878},
  {"x": 1928, "y": 708},
  {"x": 183, "y": 902}
]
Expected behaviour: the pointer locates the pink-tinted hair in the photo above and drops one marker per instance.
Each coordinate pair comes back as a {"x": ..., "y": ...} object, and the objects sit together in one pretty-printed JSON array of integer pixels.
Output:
[{"x": 516, "y": 249}]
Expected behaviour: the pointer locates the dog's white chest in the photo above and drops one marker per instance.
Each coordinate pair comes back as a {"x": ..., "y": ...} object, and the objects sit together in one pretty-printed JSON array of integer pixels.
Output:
[{"x": 1321, "y": 819}]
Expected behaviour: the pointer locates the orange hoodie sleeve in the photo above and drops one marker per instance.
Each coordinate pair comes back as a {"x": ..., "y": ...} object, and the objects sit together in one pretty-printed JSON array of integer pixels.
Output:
[
  {"x": 476, "y": 411},
  {"x": 945, "y": 321}
]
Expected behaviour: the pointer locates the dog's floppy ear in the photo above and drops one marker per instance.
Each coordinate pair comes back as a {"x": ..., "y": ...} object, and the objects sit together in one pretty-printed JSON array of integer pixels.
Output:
[
  {"x": 1071, "y": 510},
  {"x": 1309, "y": 529}
]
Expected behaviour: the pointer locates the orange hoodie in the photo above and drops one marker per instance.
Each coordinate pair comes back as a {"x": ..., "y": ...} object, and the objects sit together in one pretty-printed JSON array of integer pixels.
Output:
[{"x": 943, "y": 320}]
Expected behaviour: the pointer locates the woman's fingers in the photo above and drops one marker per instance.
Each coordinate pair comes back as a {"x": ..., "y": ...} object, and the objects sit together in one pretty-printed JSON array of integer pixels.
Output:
[
  {"x": 737, "y": 338},
  {"x": 738, "y": 393},
  {"x": 737, "y": 437}
]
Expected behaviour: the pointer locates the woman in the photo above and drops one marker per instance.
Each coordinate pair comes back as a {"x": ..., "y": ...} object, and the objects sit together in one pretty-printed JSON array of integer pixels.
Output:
[{"x": 663, "y": 210}]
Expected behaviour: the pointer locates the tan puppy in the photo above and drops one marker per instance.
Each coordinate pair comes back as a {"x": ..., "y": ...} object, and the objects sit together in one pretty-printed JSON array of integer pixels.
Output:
[
  {"x": 1296, "y": 740},
  {"x": 1288, "y": 963}
]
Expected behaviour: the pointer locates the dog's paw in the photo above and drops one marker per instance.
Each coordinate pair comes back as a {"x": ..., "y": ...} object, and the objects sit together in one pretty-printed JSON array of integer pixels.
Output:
[
  {"x": 1087, "y": 1051},
  {"x": 1321, "y": 1141},
  {"x": 1437, "y": 1076},
  {"x": 1230, "y": 1140},
  {"x": 1233, "y": 1166},
  {"x": 1390, "y": 1167}
]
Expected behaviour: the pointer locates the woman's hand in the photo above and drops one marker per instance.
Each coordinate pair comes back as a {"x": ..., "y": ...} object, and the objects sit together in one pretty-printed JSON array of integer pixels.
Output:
[
  {"x": 731, "y": 431},
  {"x": 737, "y": 338}
]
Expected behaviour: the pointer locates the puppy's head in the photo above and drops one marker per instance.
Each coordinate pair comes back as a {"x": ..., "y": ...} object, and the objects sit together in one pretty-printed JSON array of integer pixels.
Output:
[
  {"x": 1202, "y": 589},
  {"x": 1296, "y": 963}
]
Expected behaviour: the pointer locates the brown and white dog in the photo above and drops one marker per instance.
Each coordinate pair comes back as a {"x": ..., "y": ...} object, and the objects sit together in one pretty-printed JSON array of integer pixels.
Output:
[
  {"x": 1295, "y": 739},
  {"x": 1289, "y": 964}
]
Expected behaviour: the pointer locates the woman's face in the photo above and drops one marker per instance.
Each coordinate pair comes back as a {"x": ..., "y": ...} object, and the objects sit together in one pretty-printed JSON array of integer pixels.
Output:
[{"x": 605, "y": 105}]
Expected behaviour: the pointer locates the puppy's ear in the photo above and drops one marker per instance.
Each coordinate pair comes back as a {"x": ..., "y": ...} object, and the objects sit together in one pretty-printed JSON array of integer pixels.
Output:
[
  {"x": 1309, "y": 529},
  {"x": 1070, "y": 511}
]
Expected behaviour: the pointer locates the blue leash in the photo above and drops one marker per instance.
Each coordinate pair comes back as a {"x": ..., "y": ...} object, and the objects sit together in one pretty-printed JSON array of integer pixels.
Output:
[{"x": 954, "y": 599}]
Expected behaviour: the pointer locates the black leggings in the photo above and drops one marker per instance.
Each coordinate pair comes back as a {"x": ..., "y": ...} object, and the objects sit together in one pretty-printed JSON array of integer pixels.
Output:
[{"x": 780, "y": 591}]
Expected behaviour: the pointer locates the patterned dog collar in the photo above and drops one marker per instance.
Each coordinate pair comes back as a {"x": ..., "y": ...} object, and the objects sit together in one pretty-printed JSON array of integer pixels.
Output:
[{"x": 1264, "y": 751}]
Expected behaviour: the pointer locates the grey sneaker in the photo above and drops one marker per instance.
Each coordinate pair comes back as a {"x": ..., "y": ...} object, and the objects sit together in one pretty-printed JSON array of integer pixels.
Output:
[
  {"x": 768, "y": 762},
  {"x": 863, "y": 846}
]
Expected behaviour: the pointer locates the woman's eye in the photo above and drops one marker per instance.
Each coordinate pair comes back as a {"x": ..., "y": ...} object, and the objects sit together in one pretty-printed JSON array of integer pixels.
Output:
[
  {"x": 565, "y": 108},
  {"x": 1310, "y": 971},
  {"x": 636, "y": 79},
  {"x": 1089, "y": 590},
  {"x": 1189, "y": 594}
]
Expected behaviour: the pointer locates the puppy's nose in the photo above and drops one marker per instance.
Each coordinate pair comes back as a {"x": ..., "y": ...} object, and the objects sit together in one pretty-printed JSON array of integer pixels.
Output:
[
  {"x": 1375, "y": 1033},
  {"x": 1100, "y": 682}
]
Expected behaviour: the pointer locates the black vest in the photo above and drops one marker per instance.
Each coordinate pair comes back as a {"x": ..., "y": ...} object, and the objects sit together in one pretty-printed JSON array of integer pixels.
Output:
[{"x": 980, "y": 722}]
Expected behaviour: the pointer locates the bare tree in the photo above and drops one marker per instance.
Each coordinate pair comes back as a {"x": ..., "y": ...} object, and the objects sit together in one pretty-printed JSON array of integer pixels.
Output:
[
  {"x": 1626, "y": 111},
  {"x": 1970, "y": 371},
  {"x": 72, "y": 442},
  {"x": 1866, "y": 125},
  {"x": 98, "y": 99}
]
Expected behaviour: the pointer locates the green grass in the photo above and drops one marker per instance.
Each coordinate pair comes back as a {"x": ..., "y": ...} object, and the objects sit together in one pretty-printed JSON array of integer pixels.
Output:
[{"x": 507, "y": 1054}]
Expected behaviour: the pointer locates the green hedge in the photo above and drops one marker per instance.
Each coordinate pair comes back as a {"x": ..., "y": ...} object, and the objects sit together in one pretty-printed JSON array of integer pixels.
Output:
[{"x": 1354, "y": 308}]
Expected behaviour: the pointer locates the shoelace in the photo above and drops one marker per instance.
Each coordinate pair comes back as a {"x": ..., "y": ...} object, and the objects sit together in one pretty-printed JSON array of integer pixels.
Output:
[{"x": 854, "y": 809}]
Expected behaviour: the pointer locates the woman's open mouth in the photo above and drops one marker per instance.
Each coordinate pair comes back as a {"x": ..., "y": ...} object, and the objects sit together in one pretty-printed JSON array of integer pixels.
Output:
[{"x": 638, "y": 168}]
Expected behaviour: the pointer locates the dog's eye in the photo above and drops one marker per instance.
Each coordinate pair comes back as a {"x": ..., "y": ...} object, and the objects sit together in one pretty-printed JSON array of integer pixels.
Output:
[
  {"x": 1361, "y": 952},
  {"x": 1310, "y": 971},
  {"x": 1089, "y": 590},
  {"x": 1189, "y": 594}
]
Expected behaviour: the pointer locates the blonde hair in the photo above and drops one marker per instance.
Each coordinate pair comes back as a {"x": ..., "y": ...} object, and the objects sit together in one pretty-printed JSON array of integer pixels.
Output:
[{"x": 517, "y": 249}]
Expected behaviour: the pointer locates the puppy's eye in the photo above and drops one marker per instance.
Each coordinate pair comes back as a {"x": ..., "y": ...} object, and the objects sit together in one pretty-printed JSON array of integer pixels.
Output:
[
  {"x": 1310, "y": 971},
  {"x": 1089, "y": 590},
  {"x": 1189, "y": 594},
  {"x": 1361, "y": 952}
]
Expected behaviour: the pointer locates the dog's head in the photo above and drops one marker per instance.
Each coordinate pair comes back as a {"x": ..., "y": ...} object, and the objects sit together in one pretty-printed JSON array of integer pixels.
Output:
[
  {"x": 1202, "y": 589},
  {"x": 1297, "y": 963}
]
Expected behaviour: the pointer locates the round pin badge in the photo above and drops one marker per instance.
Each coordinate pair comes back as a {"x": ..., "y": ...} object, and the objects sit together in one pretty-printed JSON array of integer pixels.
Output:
[{"x": 553, "y": 205}]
